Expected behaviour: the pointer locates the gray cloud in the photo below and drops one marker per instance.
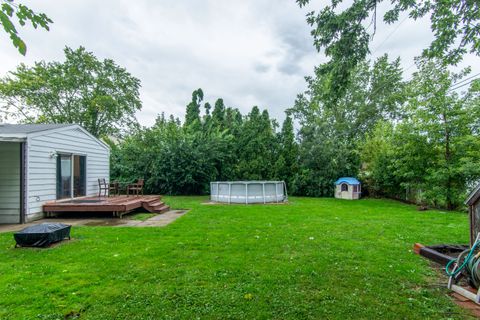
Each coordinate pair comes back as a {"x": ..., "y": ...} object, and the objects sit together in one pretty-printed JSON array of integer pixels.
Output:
[
  {"x": 233, "y": 50},
  {"x": 252, "y": 52},
  {"x": 261, "y": 67}
]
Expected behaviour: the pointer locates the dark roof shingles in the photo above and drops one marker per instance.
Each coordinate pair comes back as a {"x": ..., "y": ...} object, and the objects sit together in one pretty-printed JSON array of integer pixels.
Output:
[{"x": 29, "y": 128}]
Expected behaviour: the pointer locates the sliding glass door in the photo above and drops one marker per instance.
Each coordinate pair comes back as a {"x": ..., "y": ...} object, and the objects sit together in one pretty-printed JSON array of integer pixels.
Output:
[
  {"x": 71, "y": 176},
  {"x": 64, "y": 176},
  {"x": 79, "y": 176}
]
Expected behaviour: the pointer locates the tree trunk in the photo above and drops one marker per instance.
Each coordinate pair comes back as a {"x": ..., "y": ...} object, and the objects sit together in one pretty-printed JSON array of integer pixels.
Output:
[{"x": 448, "y": 182}]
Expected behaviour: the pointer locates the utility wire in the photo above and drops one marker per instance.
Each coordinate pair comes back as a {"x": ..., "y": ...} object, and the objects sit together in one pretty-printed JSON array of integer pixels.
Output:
[
  {"x": 463, "y": 85},
  {"x": 390, "y": 34},
  {"x": 466, "y": 79}
]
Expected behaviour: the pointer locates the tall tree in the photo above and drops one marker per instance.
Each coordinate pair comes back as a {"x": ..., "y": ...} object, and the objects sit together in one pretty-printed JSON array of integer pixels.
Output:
[
  {"x": 330, "y": 130},
  {"x": 286, "y": 165},
  {"x": 11, "y": 10},
  {"x": 256, "y": 146},
  {"x": 98, "y": 95},
  {"x": 377, "y": 157},
  {"x": 432, "y": 155},
  {"x": 192, "y": 114},
  {"x": 345, "y": 34},
  {"x": 444, "y": 119},
  {"x": 218, "y": 114},
  {"x": 171, "y": 158}
]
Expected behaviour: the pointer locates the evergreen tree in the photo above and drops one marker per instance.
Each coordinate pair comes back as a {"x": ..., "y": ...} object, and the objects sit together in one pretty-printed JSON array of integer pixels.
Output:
[
  {"x": 218, "y": 114},
  {"x": 256, "y": 147},
  {"x": 192, "y": 114},
  {"x": 286, "y": 165}
]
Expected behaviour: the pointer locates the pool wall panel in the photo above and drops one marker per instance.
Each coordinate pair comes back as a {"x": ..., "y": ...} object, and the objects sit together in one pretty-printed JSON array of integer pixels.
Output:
[{"x": 248, "y": 191}]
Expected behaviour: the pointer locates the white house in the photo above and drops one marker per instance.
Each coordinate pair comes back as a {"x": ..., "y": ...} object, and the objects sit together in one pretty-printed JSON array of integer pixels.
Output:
[{"x": 45, "y": 162}]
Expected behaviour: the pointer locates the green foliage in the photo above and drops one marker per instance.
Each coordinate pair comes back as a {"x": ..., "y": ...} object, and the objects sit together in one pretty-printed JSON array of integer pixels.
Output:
[
  {"x": 218, "y": 115},
  {"x": 330, "y": 131},
  {"x": 310, "y": 259},
  {"x": 170, "y": 158},
  {"x": 286, "y": 165},
  {"x": 377, "y": 156},
  {"x": 415, "y": 141},
  {"x": 98, "y": 95},
  {"x": 192, "y": 115},
  {"x": 432, "y": 155},
  {"x": 177, "y": 158},
  {"x": 345, "y": 37},
  {"x": 10, "y": 10},
  {"x": 256, "y": 147}
]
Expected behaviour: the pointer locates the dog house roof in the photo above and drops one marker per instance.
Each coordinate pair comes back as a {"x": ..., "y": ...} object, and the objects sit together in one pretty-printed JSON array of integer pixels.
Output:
[{"x": 347, "y": 180}]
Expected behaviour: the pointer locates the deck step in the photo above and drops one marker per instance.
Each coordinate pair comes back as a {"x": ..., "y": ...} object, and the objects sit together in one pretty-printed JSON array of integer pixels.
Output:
[
  {"x": 156, "y": 204},
  {"x": 158, "y": 209},
  {"x": 161, "y": 209},
  {"x": 159, "y": 206},
  {"x": 147, "y": 205},
  {"x": 152, "y": 199}
]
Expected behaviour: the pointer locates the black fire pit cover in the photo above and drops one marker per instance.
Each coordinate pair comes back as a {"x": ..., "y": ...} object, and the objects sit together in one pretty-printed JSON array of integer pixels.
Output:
[{"x": 42, "y": 235}]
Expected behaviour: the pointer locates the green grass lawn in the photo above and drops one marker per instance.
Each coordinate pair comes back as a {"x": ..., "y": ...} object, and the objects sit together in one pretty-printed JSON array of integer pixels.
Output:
[{"x": 310, "y": 259}]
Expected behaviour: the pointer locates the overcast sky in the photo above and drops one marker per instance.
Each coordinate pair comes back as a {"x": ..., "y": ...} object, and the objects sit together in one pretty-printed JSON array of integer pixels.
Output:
[{"x": 249, "y": 52}]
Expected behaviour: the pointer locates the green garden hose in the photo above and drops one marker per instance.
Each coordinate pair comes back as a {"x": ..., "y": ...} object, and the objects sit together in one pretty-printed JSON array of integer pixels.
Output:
[
  {"x": 473, "y": 269},
  {"x": 469, "y": 262}
]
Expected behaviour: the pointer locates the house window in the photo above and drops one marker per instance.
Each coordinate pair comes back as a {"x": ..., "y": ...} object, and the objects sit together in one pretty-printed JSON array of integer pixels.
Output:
[
  {"x": 344, "y": 187},
  {"x": 355, "y": 188}
]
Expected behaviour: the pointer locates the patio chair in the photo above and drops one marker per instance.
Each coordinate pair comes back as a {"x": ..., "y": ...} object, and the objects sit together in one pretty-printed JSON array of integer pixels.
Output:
[
  {"x": 136, "y": 188},
  {"x": 114, "y": 188},
  {"x": 102, "y": 186}
]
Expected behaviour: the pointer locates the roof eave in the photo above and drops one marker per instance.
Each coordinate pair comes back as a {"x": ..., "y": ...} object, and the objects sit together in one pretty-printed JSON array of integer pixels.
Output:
[
  {"x": 13, "y": 137},
  {"x": 473, "y": 196}
]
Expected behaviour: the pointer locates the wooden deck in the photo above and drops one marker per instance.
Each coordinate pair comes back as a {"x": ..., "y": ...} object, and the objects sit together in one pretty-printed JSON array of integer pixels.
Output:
[{"x": 118, "y": 205}]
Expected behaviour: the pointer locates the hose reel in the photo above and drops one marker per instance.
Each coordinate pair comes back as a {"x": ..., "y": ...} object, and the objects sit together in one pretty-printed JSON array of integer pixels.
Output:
[{"x": 467, "y": 264}]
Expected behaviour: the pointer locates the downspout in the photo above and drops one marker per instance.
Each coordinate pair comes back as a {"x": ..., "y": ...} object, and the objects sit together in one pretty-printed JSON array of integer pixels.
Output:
[{"x": 23, "y": 182}]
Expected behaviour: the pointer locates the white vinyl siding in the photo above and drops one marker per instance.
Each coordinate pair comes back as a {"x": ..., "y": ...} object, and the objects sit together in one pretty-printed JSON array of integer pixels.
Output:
[
  {"x": 9, "y": 182},
  {"x": 42, "y": 164}
]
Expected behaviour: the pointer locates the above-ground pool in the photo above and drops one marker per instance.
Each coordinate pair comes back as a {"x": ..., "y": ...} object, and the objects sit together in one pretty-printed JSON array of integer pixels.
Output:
[{"x": 248, "y": 191}]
